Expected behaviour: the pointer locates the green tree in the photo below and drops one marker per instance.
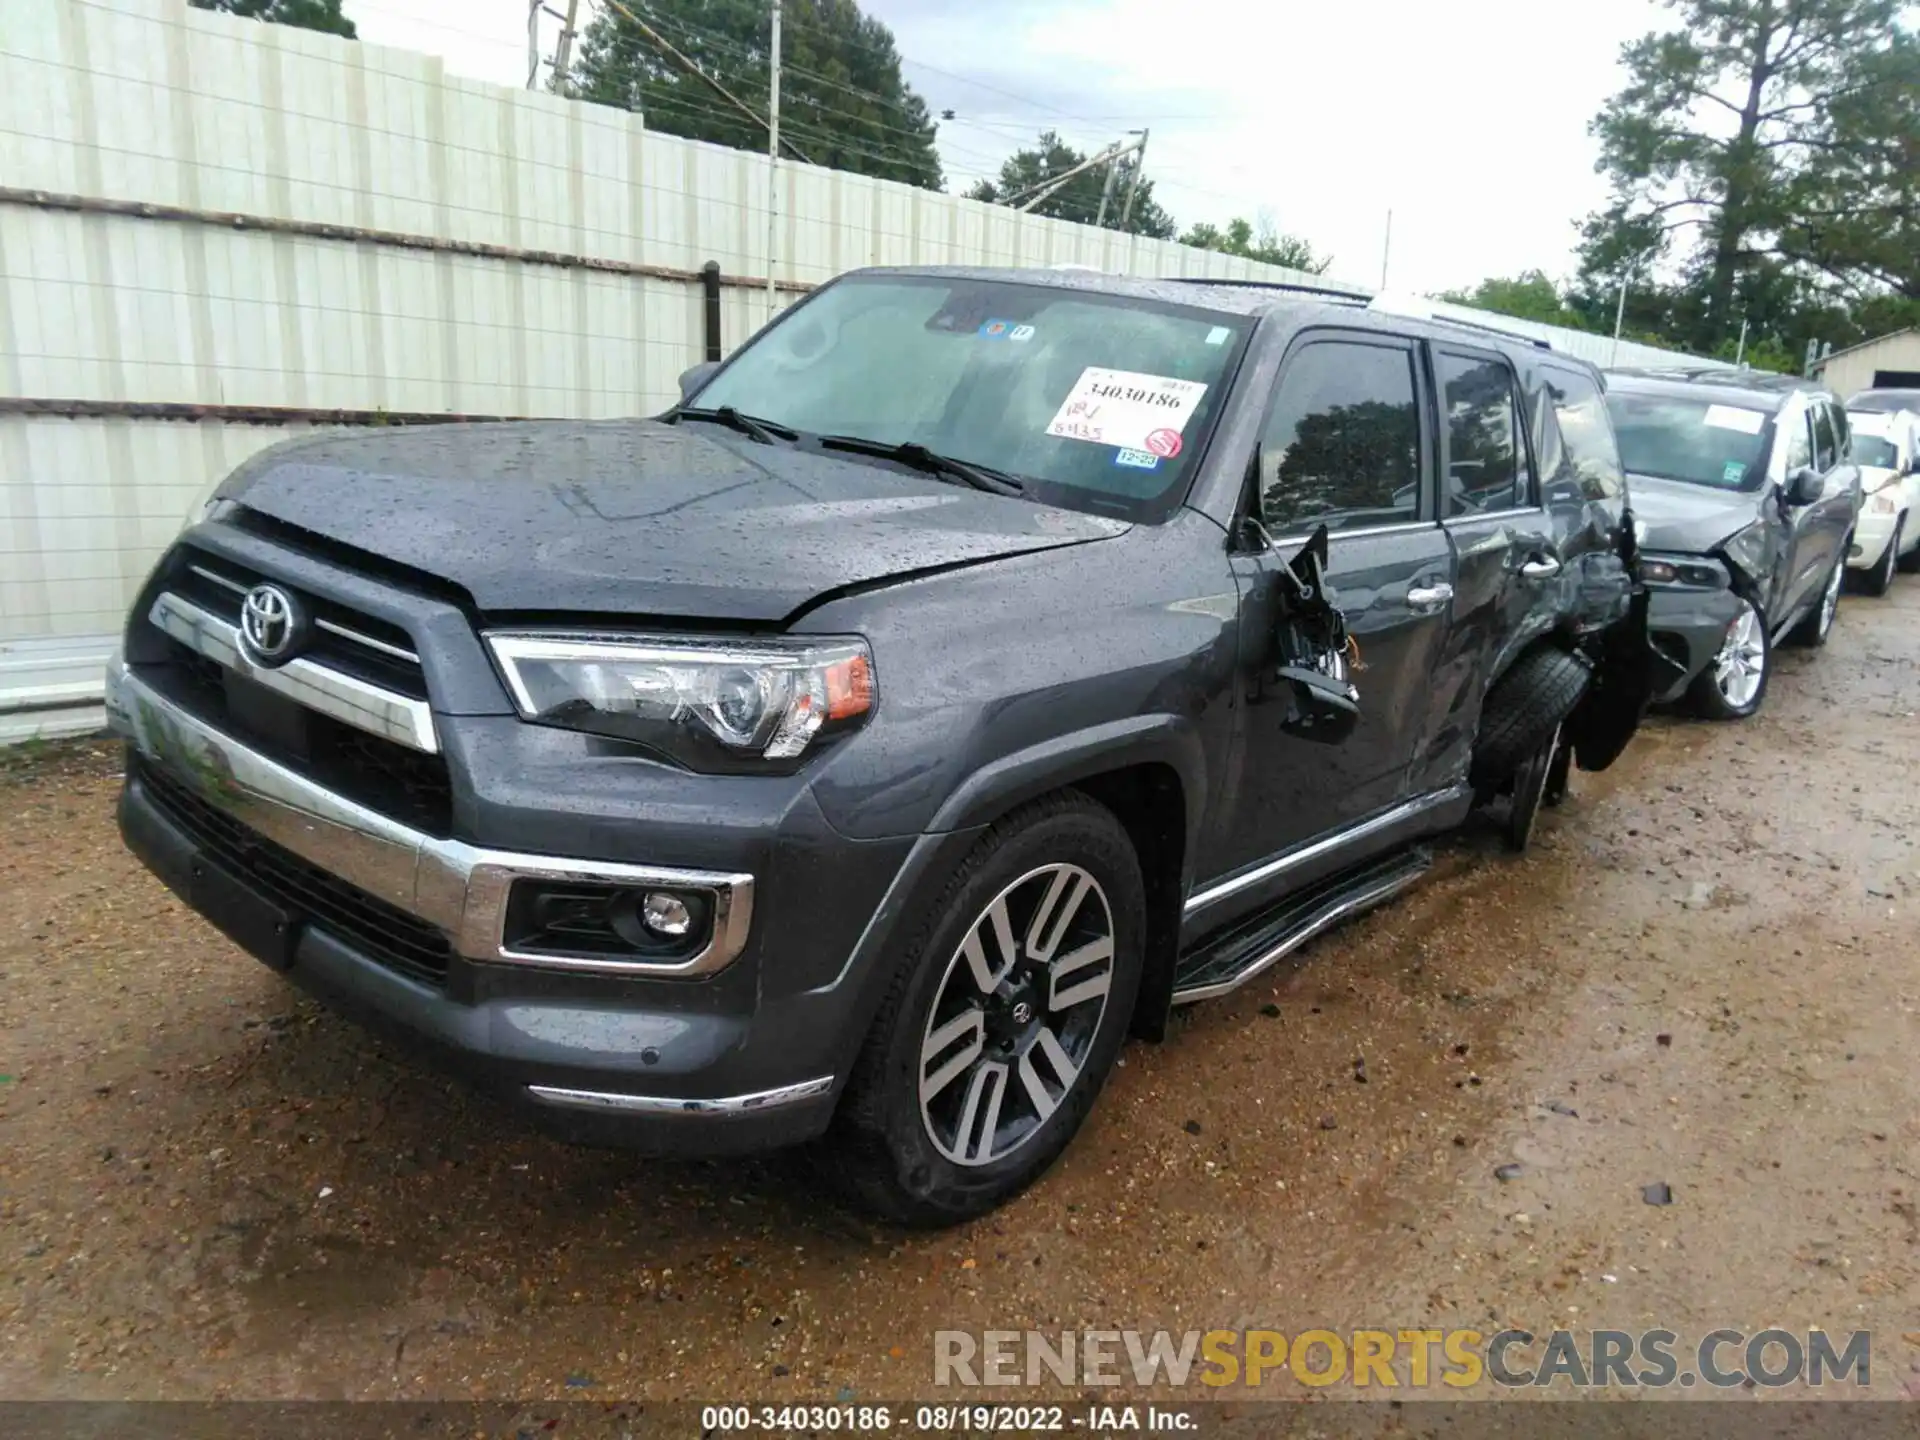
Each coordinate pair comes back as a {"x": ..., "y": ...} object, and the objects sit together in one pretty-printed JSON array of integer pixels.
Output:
[
  {"x": 843, "y": 103},
  {"x": 1856, "y": 213},
  {"x": 1724, "y": 129},
  {"x": 1079, "y": 198},
  {"x": 305, "y": 14},
  {"x": 1262, "y": 242},
  {"x": 1527, "y": 296}
]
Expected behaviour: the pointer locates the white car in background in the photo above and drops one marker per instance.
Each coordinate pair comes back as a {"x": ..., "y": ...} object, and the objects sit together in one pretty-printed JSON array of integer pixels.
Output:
[{"x": 1886, "y": 447}]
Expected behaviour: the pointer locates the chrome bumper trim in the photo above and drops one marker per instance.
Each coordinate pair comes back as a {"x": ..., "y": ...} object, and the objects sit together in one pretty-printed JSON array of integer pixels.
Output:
[
  {"x": 725, "y": 1106},
  {"x": 460, "y": 888},
  {"x": 351, "y": 701}
]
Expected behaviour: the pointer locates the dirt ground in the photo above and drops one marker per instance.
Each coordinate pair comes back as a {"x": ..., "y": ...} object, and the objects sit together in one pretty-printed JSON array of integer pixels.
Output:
[{"x": 1704, "y": 974}]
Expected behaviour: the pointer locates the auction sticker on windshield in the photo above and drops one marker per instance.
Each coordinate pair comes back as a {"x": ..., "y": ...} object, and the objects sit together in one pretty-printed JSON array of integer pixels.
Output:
[
  {"x": 1733, "y": 417},
  {"x": 1127, "y": 409}
]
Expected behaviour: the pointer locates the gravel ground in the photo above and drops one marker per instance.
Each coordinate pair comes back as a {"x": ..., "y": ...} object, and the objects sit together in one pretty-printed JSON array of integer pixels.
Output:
[{"x": 1703, "y": 975}]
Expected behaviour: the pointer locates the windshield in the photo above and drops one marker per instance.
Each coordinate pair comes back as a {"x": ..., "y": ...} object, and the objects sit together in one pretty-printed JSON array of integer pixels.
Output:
[
  {"x": 1696, "y": 441},
  {"x": 1875, "y": 450},
  {"x": 1093, "y": 401}
]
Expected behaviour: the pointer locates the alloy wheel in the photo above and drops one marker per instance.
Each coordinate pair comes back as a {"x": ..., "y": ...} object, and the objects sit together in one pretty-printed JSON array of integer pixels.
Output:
[
  {"x": 1742, "y": 662},
  {"x": 1016, "y": 1014},
  {"x": 1830, "y": 600}
]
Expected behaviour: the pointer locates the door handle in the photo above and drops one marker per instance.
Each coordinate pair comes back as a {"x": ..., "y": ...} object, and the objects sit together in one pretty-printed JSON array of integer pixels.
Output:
[
  {"x": 1541, "y": 568},
  {"x": 1430, "y": 597}
]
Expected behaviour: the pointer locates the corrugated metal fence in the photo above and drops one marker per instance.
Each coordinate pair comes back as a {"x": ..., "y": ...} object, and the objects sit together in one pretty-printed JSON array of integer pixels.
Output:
[{"x": 214, "y": 232}]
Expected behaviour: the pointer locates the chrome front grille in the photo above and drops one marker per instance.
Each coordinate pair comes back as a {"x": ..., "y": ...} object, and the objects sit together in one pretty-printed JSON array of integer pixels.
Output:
[
  {"x": 350, "y": 708},
  {"x": 357, "y": 645}
]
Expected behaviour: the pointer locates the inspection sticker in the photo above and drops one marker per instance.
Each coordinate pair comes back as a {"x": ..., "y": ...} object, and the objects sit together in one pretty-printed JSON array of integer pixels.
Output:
[
  {"x": 1733, "y": 417},
  {"x": 1136, "y": 460},
  {"x": 1733, "y": 472},
  {"x": 1127, "y": 409}
]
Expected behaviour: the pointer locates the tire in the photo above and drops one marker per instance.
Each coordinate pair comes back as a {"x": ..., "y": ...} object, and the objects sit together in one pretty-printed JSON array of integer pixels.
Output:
[
  {"x": 1909, "y": 563},
  {"x": 1523, "y": 709},
  {"x": 1879, "y": 579},
  {"x": 1812, "y": 631},
  {"x": 1530, "y": 784},
  {"x": 934, "y": 1158},
  {"x": 1734, "y": 686}
]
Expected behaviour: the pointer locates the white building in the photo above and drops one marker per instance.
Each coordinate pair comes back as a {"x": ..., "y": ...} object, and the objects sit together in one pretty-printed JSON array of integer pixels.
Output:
[{"x": 1890, "y": 362}]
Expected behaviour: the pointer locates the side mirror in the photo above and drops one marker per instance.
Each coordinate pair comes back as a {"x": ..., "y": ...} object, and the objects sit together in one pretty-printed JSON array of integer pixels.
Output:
[
  {"x": 694, "y": 376},
  {"x": 1805, "y": 486}
]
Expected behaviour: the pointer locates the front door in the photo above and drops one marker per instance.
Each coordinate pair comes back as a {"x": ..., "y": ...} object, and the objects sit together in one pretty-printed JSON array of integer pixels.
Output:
[{"x": 1345, "y": 445}]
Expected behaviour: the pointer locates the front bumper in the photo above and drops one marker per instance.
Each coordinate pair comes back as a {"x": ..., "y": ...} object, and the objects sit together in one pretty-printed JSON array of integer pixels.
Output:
[
  {"x": 1689, "y": 626},
  {"x": 705, "y": 1061}
]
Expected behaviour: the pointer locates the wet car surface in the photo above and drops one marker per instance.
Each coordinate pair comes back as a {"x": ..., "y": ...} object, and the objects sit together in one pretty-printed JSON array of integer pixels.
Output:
[{"x": 213, "y": 1187}]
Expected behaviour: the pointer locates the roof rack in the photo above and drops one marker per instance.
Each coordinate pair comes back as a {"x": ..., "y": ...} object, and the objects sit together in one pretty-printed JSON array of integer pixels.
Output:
[{"x": 1336, "y": 292}]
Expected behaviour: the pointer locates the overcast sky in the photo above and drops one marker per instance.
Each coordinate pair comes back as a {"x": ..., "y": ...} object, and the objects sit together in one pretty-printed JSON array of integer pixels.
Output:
[{"x": 1468, "y": 120}]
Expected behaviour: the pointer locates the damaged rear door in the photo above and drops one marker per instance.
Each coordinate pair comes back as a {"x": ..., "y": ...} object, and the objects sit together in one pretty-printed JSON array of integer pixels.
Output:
[{"x": 1347, "y": 445}]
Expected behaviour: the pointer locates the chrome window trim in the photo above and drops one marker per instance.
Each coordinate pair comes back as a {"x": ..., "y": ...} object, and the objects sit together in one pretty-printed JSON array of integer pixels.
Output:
[
  {"x": 1398, "y": 527},
  {"x": 1325, "y": 845},
  {"x": 725, "y": 1106},
  {"x": 1510, "y": 510},
  {"x": 460, "y": 888},
  {"x": 343, "y": 697}
]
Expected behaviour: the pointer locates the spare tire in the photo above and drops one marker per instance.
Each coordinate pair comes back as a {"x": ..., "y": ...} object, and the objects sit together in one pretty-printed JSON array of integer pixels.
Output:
[{"x": 1522, "y": 710}]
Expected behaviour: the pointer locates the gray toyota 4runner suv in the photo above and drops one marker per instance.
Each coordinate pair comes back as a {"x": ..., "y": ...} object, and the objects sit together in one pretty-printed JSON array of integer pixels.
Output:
[{"x": 973, "y": 667}]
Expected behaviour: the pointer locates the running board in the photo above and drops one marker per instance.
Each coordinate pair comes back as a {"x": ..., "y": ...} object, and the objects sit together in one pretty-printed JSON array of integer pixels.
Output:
[{"x": 1229, "y": 961}]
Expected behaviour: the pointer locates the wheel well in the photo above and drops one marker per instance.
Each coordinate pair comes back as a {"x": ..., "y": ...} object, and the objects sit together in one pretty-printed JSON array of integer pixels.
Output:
[{"x": 1150, "y": 802}]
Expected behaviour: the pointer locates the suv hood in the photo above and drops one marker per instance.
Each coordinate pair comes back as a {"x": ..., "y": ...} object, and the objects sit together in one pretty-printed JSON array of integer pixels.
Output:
[
  {"x": 1688, "y": 519},
  {"x": 638, "y": 518}
]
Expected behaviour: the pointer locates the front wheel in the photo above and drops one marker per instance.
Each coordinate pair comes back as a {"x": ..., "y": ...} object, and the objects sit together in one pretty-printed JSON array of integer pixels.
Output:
[
  {"x": 1879, "y": 579},
  {"x": 1003, "y": 1021},
  {"x": 1735, "y": 684},
  {"x": 1814, "y": 630}
]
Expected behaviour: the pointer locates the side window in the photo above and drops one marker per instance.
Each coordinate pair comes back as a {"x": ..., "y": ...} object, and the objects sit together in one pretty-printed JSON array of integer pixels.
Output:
[
  {"x": 1842, "y": 433},
  {"x": 1486, "y": 454},
  {"x": 1586, "y": 431},
  {"x": 1799, "y": 442},
  {"x": 1342, "y": 444},
  {"x": 1823, "y": 457}
]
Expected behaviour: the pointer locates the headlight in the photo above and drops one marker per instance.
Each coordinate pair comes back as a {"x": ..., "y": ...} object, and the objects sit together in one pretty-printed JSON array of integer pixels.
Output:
[
  {"x": 1751, "y": 550},
  {"x": 711, "y": 705},
  {"x": 1694, "y": 570}
]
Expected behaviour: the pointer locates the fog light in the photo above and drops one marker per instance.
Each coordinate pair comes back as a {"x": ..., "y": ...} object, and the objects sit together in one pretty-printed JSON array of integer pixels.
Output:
[{"x": 666, "y": 914}]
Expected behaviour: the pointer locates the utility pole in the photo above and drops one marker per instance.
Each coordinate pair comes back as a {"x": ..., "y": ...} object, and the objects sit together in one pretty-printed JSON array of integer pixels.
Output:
[
  {"x": 773, "y": 156},
  {"x": 1133, "y": 181},
  {"x": 1619, "y": 319},
  {"x": 563, "y": 50},
  {"x": 533, "y": 42},
  {"x": 1106, "y": 195},
  {"x": 1740, "y": 350},
  {"x": 1386, "y": 250}
]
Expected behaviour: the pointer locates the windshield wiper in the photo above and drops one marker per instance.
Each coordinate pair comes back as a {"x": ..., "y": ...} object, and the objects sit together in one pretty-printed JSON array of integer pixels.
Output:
[
  {"x": 912, "y": 452},
  {"x": 765, "y": 431}
]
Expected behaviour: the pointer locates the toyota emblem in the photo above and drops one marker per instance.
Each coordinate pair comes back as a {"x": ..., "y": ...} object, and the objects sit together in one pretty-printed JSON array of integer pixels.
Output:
[{"x": 271, "y": 624}]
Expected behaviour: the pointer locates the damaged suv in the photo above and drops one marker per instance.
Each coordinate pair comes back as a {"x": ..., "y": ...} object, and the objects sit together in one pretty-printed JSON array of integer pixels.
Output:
[{"x": 975, "y": 666}]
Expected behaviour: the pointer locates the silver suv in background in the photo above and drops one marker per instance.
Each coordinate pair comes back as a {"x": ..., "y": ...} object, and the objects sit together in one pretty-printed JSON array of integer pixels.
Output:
[{"x": 1748, "y": 501}]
